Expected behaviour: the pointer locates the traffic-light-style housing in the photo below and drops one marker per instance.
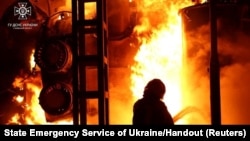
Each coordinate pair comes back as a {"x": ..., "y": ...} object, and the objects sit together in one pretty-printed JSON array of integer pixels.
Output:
[
  {"x": 73, "y": 57},
  {"x": 53, "y": 54}
]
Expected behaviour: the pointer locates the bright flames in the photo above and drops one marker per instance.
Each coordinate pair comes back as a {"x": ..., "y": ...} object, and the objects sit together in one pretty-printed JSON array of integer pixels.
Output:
[
  {"x": 160, "y": 55},
  {"x": 31, "y": 84},
  {"x": 161, "y": 52}
]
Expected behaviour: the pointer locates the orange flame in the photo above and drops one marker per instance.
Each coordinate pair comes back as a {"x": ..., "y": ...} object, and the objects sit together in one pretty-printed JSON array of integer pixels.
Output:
[
  {"x": 18, "y": 98},
  {"x": 15, "y": 119},
  {"x": 33, "y": 113},
  {"x": 160, "y": 54}
]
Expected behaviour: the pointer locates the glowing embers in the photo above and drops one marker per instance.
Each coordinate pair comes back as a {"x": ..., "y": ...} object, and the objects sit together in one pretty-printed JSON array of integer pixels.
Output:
[
  {"x": 54, "y": 56},
  {"x": 56, "y": 99}
]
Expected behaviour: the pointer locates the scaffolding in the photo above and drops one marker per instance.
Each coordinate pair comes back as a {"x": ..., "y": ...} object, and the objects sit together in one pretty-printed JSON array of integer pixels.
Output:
[{"x": 90, "y": 61}]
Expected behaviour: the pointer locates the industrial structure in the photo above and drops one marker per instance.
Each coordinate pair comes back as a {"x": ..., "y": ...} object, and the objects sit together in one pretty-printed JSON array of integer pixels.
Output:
[{"x": 77, "y": 50}]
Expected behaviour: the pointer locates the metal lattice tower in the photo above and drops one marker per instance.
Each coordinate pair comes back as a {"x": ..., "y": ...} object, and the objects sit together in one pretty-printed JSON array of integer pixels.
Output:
[{"x": 90, "y": 61}]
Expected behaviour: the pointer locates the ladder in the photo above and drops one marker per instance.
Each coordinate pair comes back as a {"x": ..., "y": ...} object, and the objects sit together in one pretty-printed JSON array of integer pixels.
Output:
[{"x": 90, "y": 63}]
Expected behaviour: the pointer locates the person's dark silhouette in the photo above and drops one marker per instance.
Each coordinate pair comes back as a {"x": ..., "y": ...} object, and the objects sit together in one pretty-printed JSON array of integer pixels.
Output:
[{"x": 150, "y": 109}]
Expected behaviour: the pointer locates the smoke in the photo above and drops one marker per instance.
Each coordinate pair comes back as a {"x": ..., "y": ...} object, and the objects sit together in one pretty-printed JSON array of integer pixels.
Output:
[
  {"x": 16, "y": 47},
  {"x": 233, "y": 48},
  {"x": 196, "y": 76},
  {"x": 234, "y": 80}
]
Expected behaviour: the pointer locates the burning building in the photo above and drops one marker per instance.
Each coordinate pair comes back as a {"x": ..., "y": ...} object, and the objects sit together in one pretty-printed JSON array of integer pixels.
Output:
[{"x": 70, "y": 63}]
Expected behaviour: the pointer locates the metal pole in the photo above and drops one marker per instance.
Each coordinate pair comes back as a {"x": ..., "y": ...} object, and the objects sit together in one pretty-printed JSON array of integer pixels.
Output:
[
  {"x": 214, "y": 68},
  {"x": 75, "y": 64}
]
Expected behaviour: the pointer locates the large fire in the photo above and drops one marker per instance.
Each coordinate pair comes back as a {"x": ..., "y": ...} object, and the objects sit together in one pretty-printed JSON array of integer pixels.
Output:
[{"x": 160, "y": 55}]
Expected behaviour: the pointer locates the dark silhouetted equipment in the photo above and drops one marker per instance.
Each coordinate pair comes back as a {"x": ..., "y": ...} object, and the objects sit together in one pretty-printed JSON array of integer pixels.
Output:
[
  {"x": 90, "y": 62},
  {"x": 53, "y": 54},
  {"x": 215, "y": 102},
  {"x": 224, "y": 18}
]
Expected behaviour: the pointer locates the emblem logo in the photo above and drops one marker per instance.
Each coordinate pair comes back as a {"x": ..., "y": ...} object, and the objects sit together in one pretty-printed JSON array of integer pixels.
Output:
[{"x": 22, "y": 11}]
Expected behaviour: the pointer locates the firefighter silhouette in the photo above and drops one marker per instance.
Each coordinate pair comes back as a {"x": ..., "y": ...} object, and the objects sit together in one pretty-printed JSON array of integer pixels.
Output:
[{"x": 150, "y": 109}]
